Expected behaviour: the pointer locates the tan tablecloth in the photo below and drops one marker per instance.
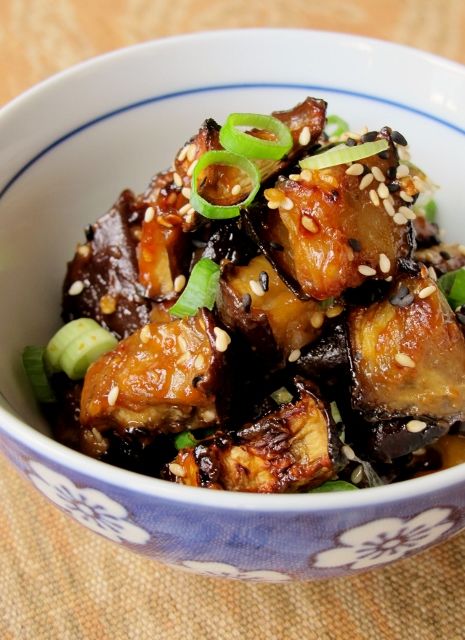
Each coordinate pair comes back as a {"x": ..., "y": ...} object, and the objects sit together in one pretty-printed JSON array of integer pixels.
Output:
[{"x": 60, "y": 581}]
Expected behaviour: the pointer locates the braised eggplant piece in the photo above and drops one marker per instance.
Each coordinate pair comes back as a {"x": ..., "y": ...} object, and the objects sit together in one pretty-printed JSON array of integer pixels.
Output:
[
  {"x": 334, "y": 227},
  {"x": 408, "y": 355},
  {"x": 101, "y": 280},
  {"x": 293, "y": 449},
  {"x": 227, "y": 243},
  {"x": 443, "y": 257},
  {"x": 255, "y": 301},
  {"x": 161, "y": 378},
  {"x": 426, "y": 232}
]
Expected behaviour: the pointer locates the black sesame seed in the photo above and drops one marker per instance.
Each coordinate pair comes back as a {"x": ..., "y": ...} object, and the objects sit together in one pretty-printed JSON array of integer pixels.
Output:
[
  {"x": 393, "y": 187},
  {"x": 350, "y": 142},
  {"x": 196, "y": 381},
  {"x": 276, "y": 246},
  {"x": 370, "y": 136},
  {"x": 264, "y": 280},
  {"x": 384, "y": 155},
  {"x": 355, "y": 244},
  {"x": 89, "y": 232},
  {"x": 403, "y": 291},
  {"x": 398, "y": 138},
  {"x": 445, "y": 255},
  {"x": 199, "y": 244},
  {"x": 391, "y": 173},
  {"x": 406, "y": 300},
  {"x": 461, "y": 318},
  {"x": 246, "y": 302}
]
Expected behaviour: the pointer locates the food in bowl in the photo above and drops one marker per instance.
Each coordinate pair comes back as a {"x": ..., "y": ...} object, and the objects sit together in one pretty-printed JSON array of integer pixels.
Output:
[{"x": 267, "y": 316}]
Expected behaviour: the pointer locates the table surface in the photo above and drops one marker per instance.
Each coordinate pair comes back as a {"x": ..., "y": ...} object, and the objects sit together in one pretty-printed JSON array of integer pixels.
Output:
[{"x": 61, "y": 581}]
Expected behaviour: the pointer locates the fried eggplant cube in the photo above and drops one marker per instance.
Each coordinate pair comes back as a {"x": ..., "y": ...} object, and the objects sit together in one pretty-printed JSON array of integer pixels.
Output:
[
  {"x": 293, "y": 449},
  {"x": 408, "y": 355},
  {"x": 165, "y": 377}
]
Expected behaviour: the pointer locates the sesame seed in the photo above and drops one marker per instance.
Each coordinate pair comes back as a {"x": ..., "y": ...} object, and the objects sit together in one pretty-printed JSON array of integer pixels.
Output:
[
  {"x": 236, "y": 189},
  {"x": 191, "y": 168},
  {"x": 186, "y": 192},
  {"x": 420, "y": 184},
  {"x": 273, "y": 204},
  {"x": 107, "y": 304},
  {"x": 223, "y": 339},
  {"x": 408, "y": 213},
  {"x": 287, "y": 204},
  {"x": 388, "y": 206},
  {"x": 357, "y": 475},
  {"x": 383, "y": 191},
  {"x": 83, "y": 250},
  {"x": 374, "y": 197},
  {"x": 461, "y": 249},
  {"x": 113, "y": 396},
  {"x": 309, "y": 224},
  {"x": 76, "y": 288},
  {"x": 199, "y": 362},
  {"x": 348, "y": 452},
  {"x": 366, "y": 181},
  {"x": 145, "y": 334},
  {"x": 191, "y": 152},
  {"x": 403, "y": 153},
  {"x": 164, "y": 222},
  {"x": 335, "y": 311},
  {"x": 415, "y": 426},
  {"x": 316, "y": 319},
  {"x": 295, "y": 177},
  {"x": 179, "y": 283},
  {"x": 246, "y": 302},
  {"x": 402, "y": 171},
  {"x": 405, "y": 196},
  {"x": 432, "y": 274},
  {"x": 264, "y": 280},
  {"x": 294, "y": 355},
  {"x": 365, "y": 270},
  {"x": 177, "y": 179},
  {"x": 355, "y": 169},
  {"x": 182, "y": 154},
  {"x": 182, "y": 342},
  {"x": 389, "y": 279},
  {"x": 185, "y": 208},
  {"x": 256, "y": 288},
  {"x": 355, "y": 244},
  {"x": 190, "y": 215},
  {"x": 399, "y": 218},
  {"x": 306, "y": 175},
  {"x": 426, "y": 291},
  {"x": 419, "y": 452},
  {"x": 276, "y": 246},
  {"x": 393, "y": 186},
  {"x": 149, "y": 214},
  {"x": 404, "y": 360},
  {"x": 384, "y": 263},
  {"x": 176, "y": 470},
  {"x": 305, "y": 136},
  {"x": 398, "y": 138},
  {"x": 369, "y": 136},
  {"x": 379, "y": 175}
]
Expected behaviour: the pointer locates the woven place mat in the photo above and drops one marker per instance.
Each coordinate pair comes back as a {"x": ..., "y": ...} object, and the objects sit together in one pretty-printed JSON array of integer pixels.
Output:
[{"x": 60, "y": 581}]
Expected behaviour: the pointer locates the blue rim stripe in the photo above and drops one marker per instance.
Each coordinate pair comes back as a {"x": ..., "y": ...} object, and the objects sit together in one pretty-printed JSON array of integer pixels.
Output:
[{"x": 225, "y": 87}]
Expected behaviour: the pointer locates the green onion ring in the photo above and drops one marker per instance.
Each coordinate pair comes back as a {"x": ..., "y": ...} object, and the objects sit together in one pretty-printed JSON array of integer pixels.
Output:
[
  {"x": 200, "y": 291},
  {"x": 334, "y": 485},
  {"x": 338, "y": 126},
  {"x": 452, "y": 285},
  {"x": 33, "y": 363},
  {"x": 219, "y": 212},
  {"x": 344, "y": 155},
  {"x": 251, "y": 147}
]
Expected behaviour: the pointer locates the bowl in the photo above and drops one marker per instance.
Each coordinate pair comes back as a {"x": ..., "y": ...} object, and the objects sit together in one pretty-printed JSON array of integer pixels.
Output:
[{"x": 71, "y": 144}]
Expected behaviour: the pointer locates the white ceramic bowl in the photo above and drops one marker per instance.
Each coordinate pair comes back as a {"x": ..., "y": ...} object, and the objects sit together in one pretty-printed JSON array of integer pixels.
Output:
[{"x": 71, "y": 144}]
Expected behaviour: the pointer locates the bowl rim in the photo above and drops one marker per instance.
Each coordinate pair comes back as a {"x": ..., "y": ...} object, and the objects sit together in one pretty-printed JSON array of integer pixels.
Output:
[{"x": 65, "y": 457}]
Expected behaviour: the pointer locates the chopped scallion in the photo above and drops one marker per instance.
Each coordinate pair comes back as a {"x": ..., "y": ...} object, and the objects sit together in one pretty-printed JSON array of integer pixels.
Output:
[
  {"x": 33, "y": 362},
  {"x": 430, "y": 209},
  {"x": 343, "y": 155},
  {"x": 335, "y": 126},
  {"x": 334, "y": 485},
  {"x": 281, "y": 396},
  {"x": 452, "y": 285},
  {"x": 185, "y": 440},
  {"x": 250, "y": 146},
  {"x": 200, "y": 290}
]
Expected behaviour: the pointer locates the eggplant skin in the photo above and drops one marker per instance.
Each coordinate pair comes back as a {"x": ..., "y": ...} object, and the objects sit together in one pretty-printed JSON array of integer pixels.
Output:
[
  {"x": 293, "y": 449},
  {"x": 168, "y": 379},
  {"x": 408, "y": 355},
  {"x": 426, "y": 233},
  {"x": 442, "y": 257}
]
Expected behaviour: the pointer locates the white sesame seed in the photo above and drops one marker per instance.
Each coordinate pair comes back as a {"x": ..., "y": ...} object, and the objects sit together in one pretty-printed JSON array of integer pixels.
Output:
[
  {"x": 389, "y": 279},
  {"x": 383, "y": 191},
  {"x": 76, "y": 288},
  {"x": 223, "y": 339},
  {"x": 176, "y": 470},
  {"x": 236, "y": 189},
  {"x": 357, "y": 475},
  {"x": 316, "y": 319},
  {"x": 419, "y": 452},
  {"x": 149, "y": 214},
  {"x": 389, "y": 207},
  {"x": 287, "y": 204},
  {"x": 403, "y": 152},
  {"x": 374, "y": 197},
  {"x": 145, "y": 334},
  {"x": 256, "y": 288},
  {"x": 177, "y": 179},
  {"x": 191, "y": 152},
  {"x": 305, "y": 136},
  {"x": 185, "y": 208},
  {"x": 190, "y": 215},
  {"x": 384, "y": 263},
  {"x": 365, "y": 270},
  {"x": 199, "y": 362},
  {"x": 404, "y": 360},
  {"x": 432, "y": 274},
  {"x": 420, "y": 184},
  {"x": 399, "y": 218},
  {"x": 113, "y": 396},
  {"x": 295, "y": 177},
  {"x": 415, "y": 426},
  {"x": 348, "y": 452},
  {"x": 273, "y": 204},
  {"x": 186, "y": 192},
  {"x": 408, "y": 213},
  {"x": 309, "y": 224},
  {"x": 402, "y": 171},
  {"x": 427, "y": 291},
  {"x": 182, "y": 154},
  {"x": 355, "y": 169},
  {"x": 379, "y": 175},
  {"x": 461, "y": 249},
  {"x": 83, "y": 250},
  {"x": 366, "y": 181},
  {"x": 294, "y": 355},
  {"x": 191, "y": 168},
  {"x": 335, "y": 311},
  {"x": 306, "y": 175},
  {"x": 182, "y": 342},
  {"x": 405, "y": 196},
  {"x": 179, "y": 283}
]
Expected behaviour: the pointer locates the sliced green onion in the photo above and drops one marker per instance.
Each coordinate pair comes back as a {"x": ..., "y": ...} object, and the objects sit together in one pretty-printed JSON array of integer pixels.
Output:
[
  {"x": 62, "y": 338},
  {"x": 334, "y": 485},
  {"x": 430, "y": 209},
  {"x": 84, "y": 350},
  {"x": 200, "y": 290},
  {"x": 185, "y": 440},
  {"x": 452, "y": 285},
  {"x": 281, "y": 396},
  {"x": 249, "y": 146},
  {"x": 220, "y": 212},
  {"x": 342, "y": 155},
  {"x": 335, "y": 412},
  {"x": 335, "y": 126},
  {"x": 33, "y": 362},
  {"x": 325, "y": 304}
]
